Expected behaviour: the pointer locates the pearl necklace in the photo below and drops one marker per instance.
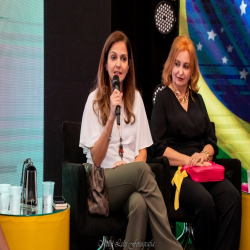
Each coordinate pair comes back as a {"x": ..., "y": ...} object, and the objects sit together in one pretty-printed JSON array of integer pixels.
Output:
[{"x": 182, "y": 100}]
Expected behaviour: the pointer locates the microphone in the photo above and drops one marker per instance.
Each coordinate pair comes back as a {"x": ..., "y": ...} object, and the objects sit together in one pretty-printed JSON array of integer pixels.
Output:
[{"x": 116, "y": 85}]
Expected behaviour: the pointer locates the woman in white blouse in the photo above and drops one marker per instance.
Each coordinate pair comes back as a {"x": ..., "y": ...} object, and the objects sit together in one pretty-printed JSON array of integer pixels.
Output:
[{"x": 121, "y": 150}]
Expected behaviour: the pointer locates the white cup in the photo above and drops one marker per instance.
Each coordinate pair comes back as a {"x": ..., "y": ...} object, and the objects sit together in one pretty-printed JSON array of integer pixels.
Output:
[
  {"x": 248, "y": 180},
  {"x": 47, "y": 210},
  {"x": 15, "y": 197},
  {"x": 48, "y": 193},
  {"x": 4, "y": 197}
]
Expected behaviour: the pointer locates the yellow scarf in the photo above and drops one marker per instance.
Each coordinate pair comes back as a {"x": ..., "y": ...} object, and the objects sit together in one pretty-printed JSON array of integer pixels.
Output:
[{"x": 177, "y": 180}]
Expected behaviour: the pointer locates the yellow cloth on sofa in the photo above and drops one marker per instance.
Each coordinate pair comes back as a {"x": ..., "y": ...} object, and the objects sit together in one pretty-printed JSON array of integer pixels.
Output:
[{"x": 177, "y": 180}]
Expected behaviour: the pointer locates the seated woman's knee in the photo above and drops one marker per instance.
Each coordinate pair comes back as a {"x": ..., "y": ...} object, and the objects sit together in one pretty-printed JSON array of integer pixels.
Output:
[
  {"x": 234, "y": 197},
  {"x": 206, "y": 205},
  {"x": 143, "y": 166},
  {"x": 138, "y": 205}
]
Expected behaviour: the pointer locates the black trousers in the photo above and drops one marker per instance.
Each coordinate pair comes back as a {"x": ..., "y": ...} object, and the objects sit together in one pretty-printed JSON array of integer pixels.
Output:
[{"x": 217, "y": 213}]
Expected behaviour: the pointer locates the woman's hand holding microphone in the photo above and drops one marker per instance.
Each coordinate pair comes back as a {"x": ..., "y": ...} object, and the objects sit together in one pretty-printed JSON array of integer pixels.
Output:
[{"x": 115, "y": 100}]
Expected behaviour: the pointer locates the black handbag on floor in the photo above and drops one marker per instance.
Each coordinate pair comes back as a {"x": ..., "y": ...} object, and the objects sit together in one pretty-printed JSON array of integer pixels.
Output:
[{"x": 97, "y": 191}]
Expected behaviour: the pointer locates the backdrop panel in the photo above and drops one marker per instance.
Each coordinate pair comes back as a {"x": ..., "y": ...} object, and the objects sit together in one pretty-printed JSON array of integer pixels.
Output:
[
  {"x": 75, "y": 32},
  {"x": 21, "y": 88}
]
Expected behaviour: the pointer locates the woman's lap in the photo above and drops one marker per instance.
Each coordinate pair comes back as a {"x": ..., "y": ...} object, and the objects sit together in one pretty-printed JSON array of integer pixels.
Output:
[
  {"x": 221, "y": 194},
  {"x": 121, "y": 183}
]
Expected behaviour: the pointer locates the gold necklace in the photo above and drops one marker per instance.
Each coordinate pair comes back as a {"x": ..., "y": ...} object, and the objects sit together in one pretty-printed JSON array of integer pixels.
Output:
[{"x": 182, "y": 100}]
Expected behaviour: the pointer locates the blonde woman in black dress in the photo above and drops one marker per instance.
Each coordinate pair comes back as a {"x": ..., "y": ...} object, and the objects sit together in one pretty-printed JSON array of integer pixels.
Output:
[{"x": 182, "y": 132}]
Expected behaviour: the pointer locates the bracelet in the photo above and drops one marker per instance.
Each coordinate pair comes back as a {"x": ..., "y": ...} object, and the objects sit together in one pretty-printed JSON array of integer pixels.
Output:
[
  {"x": 207, "y": 154},
  {"x": 108, "y": 137}
]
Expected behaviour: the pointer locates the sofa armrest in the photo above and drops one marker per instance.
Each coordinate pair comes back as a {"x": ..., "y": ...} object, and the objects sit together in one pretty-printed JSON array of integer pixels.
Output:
[
  {"x": 158, "y": 170},
  {"x": 74, "y": 190},
  {"x": 232, "y": 171},
  {"x": 166, "y": 174}
]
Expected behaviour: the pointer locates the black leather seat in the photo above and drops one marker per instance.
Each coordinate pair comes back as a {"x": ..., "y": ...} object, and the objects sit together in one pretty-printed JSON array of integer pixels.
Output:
[{"x": 74, "y": 189}]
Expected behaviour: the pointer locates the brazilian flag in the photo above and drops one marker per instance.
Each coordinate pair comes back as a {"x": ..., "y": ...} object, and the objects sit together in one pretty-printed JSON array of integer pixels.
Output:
[{"x": 220, "y": 31}]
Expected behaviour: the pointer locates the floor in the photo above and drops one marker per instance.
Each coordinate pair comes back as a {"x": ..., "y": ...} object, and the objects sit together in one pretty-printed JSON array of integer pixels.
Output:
[{"x": 190, "y": 247}]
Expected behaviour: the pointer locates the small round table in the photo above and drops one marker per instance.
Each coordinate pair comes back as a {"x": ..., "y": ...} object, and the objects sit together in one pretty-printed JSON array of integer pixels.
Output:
[
  {"x": 37, "y": 228},
  {"x": 245, "y": 222}
]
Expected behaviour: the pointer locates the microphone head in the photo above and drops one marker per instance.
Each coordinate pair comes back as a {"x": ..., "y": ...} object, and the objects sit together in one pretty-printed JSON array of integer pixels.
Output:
[{"x": 116, "y": 82}]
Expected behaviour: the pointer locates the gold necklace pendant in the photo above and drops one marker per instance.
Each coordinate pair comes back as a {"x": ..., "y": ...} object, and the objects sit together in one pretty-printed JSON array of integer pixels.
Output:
[
  {"x": 120, "y": 149},
  {"x": 182, "y": 100}
]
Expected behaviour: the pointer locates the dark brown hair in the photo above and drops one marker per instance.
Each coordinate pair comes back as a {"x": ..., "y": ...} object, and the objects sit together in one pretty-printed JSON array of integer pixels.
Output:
[{"x": 103, "y": 83}]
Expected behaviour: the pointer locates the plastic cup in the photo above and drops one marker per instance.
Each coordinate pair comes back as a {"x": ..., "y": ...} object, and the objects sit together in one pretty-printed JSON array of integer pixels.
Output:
[
  {"x": 248, "y": 180},
  {"x": 47, "y": 210},
  {"x": 48, "y": 193},
  {"x": 15, "y": 197},
  {"x": 4, "y": 197}
]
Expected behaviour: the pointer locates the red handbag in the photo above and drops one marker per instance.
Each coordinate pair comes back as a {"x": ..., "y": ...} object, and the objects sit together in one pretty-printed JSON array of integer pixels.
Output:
[{"x": 214, "y": 172}]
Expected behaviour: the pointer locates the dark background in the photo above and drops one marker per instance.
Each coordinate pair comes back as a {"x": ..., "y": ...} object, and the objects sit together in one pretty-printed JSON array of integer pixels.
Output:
[
  {"x": 75, "y": 32},
  {"x": 150, "y": 48}
]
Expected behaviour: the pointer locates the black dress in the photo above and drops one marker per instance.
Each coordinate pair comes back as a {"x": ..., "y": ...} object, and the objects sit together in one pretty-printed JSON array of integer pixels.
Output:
[
  {"x": 184, "y": 131},
  {"x": 216, "y": 205}
]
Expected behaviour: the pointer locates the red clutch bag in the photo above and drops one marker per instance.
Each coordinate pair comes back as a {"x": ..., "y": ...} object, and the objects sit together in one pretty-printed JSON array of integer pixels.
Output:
[{"x": 214, "y": 172}]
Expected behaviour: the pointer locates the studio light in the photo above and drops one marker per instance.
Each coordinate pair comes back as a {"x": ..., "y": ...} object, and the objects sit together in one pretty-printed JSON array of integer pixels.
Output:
[{"x": 164, "y": 17}]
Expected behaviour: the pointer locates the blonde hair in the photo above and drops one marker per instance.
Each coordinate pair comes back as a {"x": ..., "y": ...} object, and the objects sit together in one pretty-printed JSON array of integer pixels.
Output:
[
  {"x": 182, "y": 43},
  {"x": 103, "y": 87}
]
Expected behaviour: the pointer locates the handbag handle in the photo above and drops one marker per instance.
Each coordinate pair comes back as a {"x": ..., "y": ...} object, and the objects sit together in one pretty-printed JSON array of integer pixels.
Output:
[{"x": 185, "y": 167}]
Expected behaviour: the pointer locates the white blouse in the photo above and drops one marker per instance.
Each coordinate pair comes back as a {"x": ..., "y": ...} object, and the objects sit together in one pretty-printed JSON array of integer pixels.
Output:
[{"x": 134, "y": 137}]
